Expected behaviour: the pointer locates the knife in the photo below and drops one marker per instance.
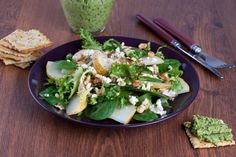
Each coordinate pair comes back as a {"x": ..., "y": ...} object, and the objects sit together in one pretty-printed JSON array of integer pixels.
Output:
[
  {"x": 176, "y": 44},
  {"x": 212, "y": 61}
]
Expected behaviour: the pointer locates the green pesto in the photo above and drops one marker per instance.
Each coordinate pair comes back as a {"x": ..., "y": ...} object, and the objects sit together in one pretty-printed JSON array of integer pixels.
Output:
[
  {"x": 209, "y": 129},
  {"x": 88, "y": 14}
]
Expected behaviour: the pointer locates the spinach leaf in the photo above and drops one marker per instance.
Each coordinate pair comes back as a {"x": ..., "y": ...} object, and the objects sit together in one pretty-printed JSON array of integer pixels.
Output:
[
  {"x": 146, "y": 116},
  {"x": 67, "y": 65},
  {"x": 153, "y": 93},
  {"x": 69, "y": 56},
  {"x": 165, "y": 103},
  {"x": 111, "y": 45},
  {"x": 48, "y": 95},
  {"x": 144, "y": 96},
  {"x": 76, "y": 80},
  {"x": 88, "y": 42},
  {"x": 102, "y": 110},
  {"x": 150, "y": 79}
]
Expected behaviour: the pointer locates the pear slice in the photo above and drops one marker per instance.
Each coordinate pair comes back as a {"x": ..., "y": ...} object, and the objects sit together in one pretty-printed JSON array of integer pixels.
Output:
[
  {"x": 151, "y": 60},
  {"x": 52, "y": 71},
  {"x": 101, "y": 63},
  {"x": 185, "y": 87},
  {"x": 157, "y": 85},
  {"x": 123, "y": 115},
  {"x": 77, "y": 103}
]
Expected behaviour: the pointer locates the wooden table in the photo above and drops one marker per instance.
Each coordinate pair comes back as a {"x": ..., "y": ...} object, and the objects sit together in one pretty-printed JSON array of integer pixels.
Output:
[{"x": 28, "y": 130}]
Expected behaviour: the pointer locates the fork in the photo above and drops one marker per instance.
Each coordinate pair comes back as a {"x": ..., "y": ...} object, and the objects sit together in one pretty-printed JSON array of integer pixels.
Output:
[{"x": 212, "y": 61}]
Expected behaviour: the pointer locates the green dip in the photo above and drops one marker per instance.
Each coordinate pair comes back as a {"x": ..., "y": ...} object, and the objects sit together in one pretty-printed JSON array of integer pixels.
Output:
[
  {"x": 209, "y": 129},
  {"x": 91, "y": 15}
]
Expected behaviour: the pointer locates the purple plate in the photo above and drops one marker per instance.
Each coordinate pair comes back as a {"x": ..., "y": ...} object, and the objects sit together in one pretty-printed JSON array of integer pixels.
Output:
[{"x": 37, "y": 77}]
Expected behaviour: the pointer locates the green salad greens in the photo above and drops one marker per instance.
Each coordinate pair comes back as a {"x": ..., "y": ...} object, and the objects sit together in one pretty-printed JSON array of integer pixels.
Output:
[{"x": 112, "y": 80}]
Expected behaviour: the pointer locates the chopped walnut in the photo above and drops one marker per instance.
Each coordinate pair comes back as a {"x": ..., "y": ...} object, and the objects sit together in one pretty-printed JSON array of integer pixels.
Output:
[
  {"x": 96, "y": 80},
  {"x": 144, "y": 106},
  {"x": 143, "y": 45},
  {"x": 151, "y": 54},
  {"x": 164, "y": 76},
  {"x": 136, "y": 83}
]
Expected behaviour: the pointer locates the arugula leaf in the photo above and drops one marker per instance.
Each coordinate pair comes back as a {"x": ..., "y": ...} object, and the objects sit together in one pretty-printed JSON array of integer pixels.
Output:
[
  {"x": 159, "y": 52},
  {"x": 120, "y": 70},
  {"x": 65, "y": 64},
  {"x": 111, "y": 45},
  {"x": 176, "y": 85},
  {"x": 101, "y": 110},
  {"x": 88, "y": 42},
  {"x": 137, "y": 53},
  {"x": 131, "y": 71},
  {"x": 146, "y": 116},
  {"x": 171, "y": 66}
]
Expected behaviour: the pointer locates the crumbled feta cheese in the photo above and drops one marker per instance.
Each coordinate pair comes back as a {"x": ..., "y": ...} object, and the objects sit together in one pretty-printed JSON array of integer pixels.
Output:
[
  {"x": 57, "y": 95},
  {"x": 133, "y": 100},
  {"x": 104, "y": 78},
  {"x": 122, "y": 45},
  {"x": 158, "y": 108},
  {"x": 89, "y": 68},
  {"x": 118, "y": 53},
  {"x": 149, "y": 75},
  {"x": 94, "y": 95},
  {"x": 146, "y": 86},
  {"x": 169, "y": 93},
  {"x": 121, "y": 82},
  {"x": 92, "y": 69},
  {"x": 85, "y": 66}
]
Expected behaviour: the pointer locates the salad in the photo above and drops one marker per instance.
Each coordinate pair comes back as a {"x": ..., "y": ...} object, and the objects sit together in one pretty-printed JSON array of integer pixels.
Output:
[{"x": 112, "y": 80}]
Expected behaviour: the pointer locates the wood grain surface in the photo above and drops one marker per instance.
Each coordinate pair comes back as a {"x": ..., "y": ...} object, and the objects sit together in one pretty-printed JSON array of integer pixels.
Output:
[{"x": 28, "y": 130}]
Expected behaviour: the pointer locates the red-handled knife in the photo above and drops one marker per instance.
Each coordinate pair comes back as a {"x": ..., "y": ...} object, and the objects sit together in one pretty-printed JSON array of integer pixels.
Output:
[
  {"x": 173, "y": 42},
  {"x": 212, "y": 61}
]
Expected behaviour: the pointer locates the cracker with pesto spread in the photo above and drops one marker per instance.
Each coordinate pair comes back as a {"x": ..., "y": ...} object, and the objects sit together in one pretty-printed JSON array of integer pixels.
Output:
[{"x": 206, "y": 132}]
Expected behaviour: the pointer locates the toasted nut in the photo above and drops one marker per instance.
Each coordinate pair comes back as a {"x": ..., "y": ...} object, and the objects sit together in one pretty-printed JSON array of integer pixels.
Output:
[
  {"x": 136, "y": 83},
  {"x": 144, "y": 106},
  {"x": 96, "y": 80},
  {"x": 142, "y": 46},
  {"x": 151, "y": 54},
  {"x": 164, "y": 76}
]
